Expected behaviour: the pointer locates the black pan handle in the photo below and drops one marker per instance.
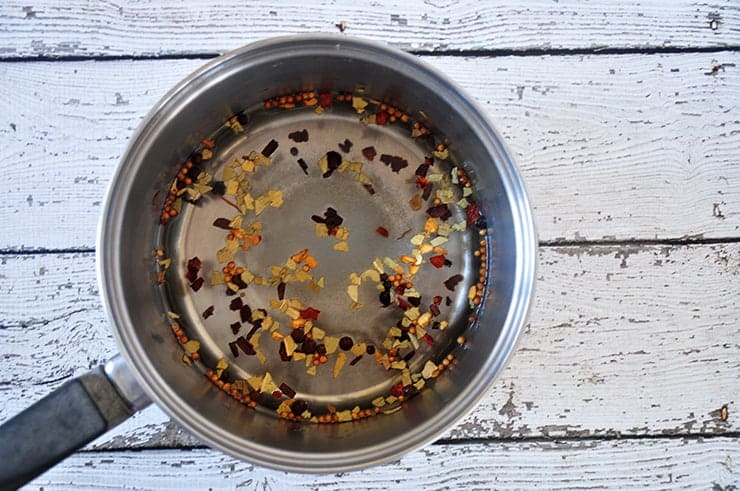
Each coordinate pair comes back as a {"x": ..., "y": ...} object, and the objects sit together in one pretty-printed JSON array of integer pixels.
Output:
[{"x": 75, "y": 414}]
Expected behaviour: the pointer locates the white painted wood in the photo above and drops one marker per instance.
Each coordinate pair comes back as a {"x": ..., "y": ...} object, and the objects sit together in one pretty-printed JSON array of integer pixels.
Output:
[
  {"x": 615, "y": 147},
  {"x": 630, "y": 464},
  {"x": 623, "y": 341},
  {"x": 153, "y": 28}
]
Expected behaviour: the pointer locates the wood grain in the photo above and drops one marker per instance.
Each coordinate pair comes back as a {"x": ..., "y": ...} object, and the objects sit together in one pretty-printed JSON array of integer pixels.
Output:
[
  {"x": 634, "y": 340},
  {"x": 653, "y": 463},
  {"x": 611, "y": 147},
  {"x": 88, "y": 28}
]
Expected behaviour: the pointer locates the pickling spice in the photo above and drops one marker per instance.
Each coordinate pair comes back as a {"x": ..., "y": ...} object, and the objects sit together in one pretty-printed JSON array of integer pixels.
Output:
[{"x": 289, "y": 327}]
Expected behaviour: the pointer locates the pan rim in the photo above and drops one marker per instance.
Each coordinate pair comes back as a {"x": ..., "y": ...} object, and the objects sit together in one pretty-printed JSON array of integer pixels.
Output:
[{"x": 109, "y": 231}]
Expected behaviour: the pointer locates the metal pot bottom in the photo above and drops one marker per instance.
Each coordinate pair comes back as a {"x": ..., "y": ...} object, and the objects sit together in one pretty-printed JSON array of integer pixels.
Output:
[{"x": 289, "y": 229}]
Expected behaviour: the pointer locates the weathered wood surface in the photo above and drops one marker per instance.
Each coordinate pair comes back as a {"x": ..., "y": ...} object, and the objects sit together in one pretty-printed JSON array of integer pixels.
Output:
[
  {"x": 611, "y": 147},
  {"x": 89, "y": 28},
  {"x": 634, "y": 340},
  {"x": 628, "y": 464}
]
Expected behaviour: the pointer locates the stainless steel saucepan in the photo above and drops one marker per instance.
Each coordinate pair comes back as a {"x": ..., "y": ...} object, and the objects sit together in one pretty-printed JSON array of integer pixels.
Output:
[{"x": 150, "y": 367}]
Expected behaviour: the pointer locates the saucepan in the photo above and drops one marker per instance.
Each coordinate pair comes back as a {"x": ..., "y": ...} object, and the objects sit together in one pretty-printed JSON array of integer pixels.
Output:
[{"x": 316, "y": 255}]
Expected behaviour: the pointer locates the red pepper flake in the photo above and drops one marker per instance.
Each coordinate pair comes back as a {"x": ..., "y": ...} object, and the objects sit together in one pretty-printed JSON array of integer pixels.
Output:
[
  {"x": 209, "y": 144},
  {"x": 218, "y": 188},
  {"x": 395, "y": 162},
  {"x": 369, "y": 188},
  {"x": 428, "y": 339},
  {"x": 440, "y": 211},
  {"x": 423, "y": 169},
  {"x": 346, "y": 146},
  {"x": 209, "y": 312},
  {"x": 245, "y": 346},
  {"x": 299, "y": 136},
  {"x": 437, "y": 261},
  {"x": 281, "y": 290},
  {"x": 194, "y": 265},
  {"x": 238, "y": 281},
  {"x": 355, "y": 360},
  {"x": 234, "y": 349},
  {"x": 257, "y": 325},
  {"x": 283, "y": 352},
  {"x": 452, "y": 282},
  {"x": 298, "y": 335},
  {"x": 256, "y": 396},
  {"x": 397, "y": 390},
  {"x": 472, "y": 213},
  {"x": 287, "y": 390},
  {"x": 427, "y": 191},
  {"x": 197, "y": 284},
  {"x": 245, "y": 313},
  {"x": 437, "y": 299},
  {"x": 434, "y": 309},
  {"x": 325, "y": 99},
  {"x": 381, "y": 118},
  {"x": 382, "y": 231},
  {"x": 332, "y": 220},
  {"x": 403, "y": 303},
  {"x": 277, "y": 394},
  {"x": 309, "y": 313},
  {"x": 369, "y": 153},
  {"x": 308, "y": 346},
  {"x": 304, "y": 166},
  {"x": 333, "y": 161},
  {"x": 235, "y": 327},
  {"x": 236, "y": 304},
  {"x": 298, "y": 407},
  {"x": 270, "y": 148},
  {"x": 223, "y": 223}
]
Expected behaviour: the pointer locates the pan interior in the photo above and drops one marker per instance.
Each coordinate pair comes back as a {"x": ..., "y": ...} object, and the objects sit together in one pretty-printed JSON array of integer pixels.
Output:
[{"x": 289, "y": 229}]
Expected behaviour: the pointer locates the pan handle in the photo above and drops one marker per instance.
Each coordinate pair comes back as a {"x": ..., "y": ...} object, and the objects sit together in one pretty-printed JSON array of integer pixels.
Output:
[{"x": 76, "y": 413}]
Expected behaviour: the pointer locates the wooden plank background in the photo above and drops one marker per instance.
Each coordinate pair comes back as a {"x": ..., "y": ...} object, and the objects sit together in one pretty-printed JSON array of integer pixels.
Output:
[
  {"x": 623, "y": 117},
  {"x": 657, "y": 464},
  {"x": 621, "y": 341},
  {"x": 612, "y": 147},
  {"x": 89, "y": 28}
]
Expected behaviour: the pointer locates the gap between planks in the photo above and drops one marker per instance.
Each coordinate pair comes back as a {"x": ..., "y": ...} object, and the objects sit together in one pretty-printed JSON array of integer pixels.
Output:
[
  {"x": 656, "y": 463},
  {"x": 621, "y": 341},
  {"x": 611, "y": 148},
  {"x": 483, "y": 53},
  {"x": 542, "y": 244}
]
